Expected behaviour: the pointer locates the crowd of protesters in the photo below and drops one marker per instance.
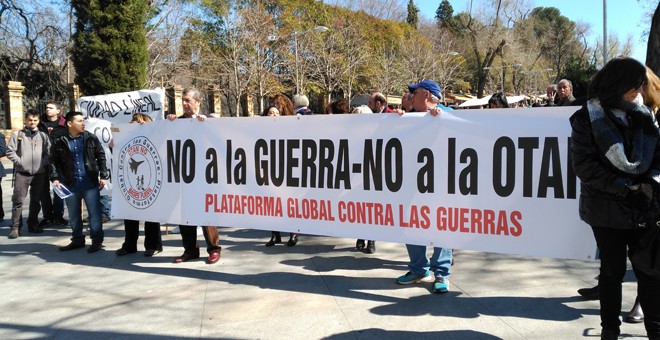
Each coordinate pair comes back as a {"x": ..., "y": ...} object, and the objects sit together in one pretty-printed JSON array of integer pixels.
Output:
[{"x": 615, "y": 153}]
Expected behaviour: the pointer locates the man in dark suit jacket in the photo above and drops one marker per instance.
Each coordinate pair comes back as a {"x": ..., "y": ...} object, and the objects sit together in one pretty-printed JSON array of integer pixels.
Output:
[{"x": 191, "y": 101}]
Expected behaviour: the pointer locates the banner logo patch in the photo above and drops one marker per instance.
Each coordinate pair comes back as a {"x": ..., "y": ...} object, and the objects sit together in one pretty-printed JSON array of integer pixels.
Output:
[{"x": 140, "y": 174}]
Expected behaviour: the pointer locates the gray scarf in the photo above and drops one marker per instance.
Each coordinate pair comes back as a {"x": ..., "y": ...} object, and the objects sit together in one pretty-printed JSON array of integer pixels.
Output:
[{"x": 643, "y": 129}]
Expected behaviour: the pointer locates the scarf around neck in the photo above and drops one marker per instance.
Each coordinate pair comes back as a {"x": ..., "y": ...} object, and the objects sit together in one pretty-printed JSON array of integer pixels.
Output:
[{"x": 610, "y": 140}]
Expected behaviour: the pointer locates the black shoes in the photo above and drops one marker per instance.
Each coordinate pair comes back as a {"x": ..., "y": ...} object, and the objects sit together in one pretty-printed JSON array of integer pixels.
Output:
[
  {"x": 72, "y": 246},
  {"x": 636, "y": 315},
  {"x": 589, "y": 293},
  {"x": 94, "y": 248},
  {"x": 293, "y": 240},
  {"x": 123, "y": 251},
  {"x": 275, "y": 238},
  {"x": 608, "y": 334},
  {"x": 60, "y": 221},
  {"x": 152, "y": 252},
  {"x": 35, "y": 229},
  {"x": 44, "y": 223},
  {"x": 371, "y": 247},
  {"x": 186, "y": 257}
]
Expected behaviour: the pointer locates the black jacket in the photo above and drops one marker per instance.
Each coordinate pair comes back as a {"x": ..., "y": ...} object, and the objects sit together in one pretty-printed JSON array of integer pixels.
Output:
[
  {"x": 604, "y": 189},
  {"x": 61, "y": 160}
]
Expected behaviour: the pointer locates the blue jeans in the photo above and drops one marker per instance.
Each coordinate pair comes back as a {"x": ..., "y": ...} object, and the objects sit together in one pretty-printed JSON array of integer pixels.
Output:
[
  {"x": 439, "y": 264},
  {"x": 84, "y": 189},
  {"x": 105, "y": 205}
]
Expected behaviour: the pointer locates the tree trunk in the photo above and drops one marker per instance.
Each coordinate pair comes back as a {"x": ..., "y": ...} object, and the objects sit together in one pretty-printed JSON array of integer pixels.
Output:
[
  {"x": 237, "y": 105},
  {"x": 653, "y": 47}
]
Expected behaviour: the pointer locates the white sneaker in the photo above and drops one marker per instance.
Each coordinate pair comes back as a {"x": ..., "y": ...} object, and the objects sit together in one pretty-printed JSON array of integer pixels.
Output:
[{"x": 175, "y": 230}]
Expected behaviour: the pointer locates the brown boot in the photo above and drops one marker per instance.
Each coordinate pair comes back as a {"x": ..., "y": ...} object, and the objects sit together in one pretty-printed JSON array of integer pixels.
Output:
[{"x": 13, "y": 233}]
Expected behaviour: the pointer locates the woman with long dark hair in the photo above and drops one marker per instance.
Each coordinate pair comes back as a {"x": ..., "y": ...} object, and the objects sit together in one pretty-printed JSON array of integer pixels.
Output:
[
  {"x": 498, "y": 101},
  {"x": 616, "y": 155}
]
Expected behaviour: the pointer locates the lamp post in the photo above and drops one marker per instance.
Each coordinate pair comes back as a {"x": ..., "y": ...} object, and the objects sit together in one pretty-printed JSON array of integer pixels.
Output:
[{"x": 295, "y": 39}]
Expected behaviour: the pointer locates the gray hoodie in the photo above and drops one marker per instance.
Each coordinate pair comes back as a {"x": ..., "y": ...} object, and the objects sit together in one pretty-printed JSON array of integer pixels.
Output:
[{"x": 28, "y": 150}]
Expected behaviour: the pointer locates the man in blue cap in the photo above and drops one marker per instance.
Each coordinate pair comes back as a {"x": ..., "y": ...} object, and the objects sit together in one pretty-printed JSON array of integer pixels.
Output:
[
  {"x": 425, "y": 97},
  {"x": 435, "y": 97}
]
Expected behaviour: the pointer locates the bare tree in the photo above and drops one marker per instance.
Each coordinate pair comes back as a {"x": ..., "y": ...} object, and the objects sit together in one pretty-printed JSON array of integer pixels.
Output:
[
  {"x": 389, "y": 66},
  {"x": 448, "y": 64},
  {"x": 321, "y": 60},
  {"x": 170, "y": 21},
  {"x": 265, "y": 49},
  {"x": 357, "y": 54},
  {"x": 418, "y": 58},
  {"x": 33, "y": 48},
  {"x": 234, "y": 55},
  {"x": 394, "y": 10},
  {"x": 486, "y": 41}
]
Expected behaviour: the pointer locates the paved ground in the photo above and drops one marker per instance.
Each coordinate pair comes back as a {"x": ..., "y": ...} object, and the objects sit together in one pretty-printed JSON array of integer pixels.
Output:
[{"x": 321, "y": 289}]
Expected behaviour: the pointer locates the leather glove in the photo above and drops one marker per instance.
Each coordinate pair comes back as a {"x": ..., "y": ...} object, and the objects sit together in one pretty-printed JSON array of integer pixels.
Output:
[{"x": 641, "y": 196}]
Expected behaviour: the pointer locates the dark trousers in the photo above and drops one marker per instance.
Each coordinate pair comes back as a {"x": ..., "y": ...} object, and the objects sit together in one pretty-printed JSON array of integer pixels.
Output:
[
  {"x": 613, "y": 245},
  {"x": 152, "y": 237},
  {"x": 51, "y": 209},
  {"x": 23, "y": 182},
  {"x": 189, "y": 239},
  {"x": 2, "y": 209}
]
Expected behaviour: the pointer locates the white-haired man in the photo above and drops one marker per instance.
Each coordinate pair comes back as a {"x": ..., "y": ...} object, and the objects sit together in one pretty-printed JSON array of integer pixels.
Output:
[{"x": 564, "y": 94}]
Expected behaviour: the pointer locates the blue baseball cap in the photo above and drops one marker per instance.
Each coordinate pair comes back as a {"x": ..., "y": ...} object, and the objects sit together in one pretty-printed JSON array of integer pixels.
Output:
[{"x": 428, "y": 85}]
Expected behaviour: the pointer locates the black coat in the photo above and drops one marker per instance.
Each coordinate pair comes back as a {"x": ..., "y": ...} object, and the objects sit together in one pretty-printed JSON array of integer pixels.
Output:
[
  {"x": 61, "y": 160},
  {"x": 604, "y": 188}
]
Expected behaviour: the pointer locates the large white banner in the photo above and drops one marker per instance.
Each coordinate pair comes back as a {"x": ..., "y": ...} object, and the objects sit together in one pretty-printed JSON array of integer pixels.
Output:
[
  {"x": 488, "y": 180},
  {"x": 102, "y": 129},
  {"x": 120, "y": 107}
]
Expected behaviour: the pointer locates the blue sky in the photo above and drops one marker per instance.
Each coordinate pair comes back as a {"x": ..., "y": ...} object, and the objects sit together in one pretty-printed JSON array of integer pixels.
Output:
[{"x": 623, "y": 16}]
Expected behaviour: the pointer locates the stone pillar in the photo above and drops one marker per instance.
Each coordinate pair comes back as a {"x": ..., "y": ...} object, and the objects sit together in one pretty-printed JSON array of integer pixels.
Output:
[
  {"x": 174, "y": 95},
  {"x": 215, "y": 100},
  {"x": 247, "y": 105},
  {"x": 13, "y": 98},
  {"x": 74, "y": 94}
]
